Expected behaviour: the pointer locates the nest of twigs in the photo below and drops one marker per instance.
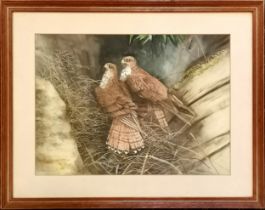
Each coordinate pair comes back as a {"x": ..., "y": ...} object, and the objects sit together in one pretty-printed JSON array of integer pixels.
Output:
[{"x": 90, "y": 124}]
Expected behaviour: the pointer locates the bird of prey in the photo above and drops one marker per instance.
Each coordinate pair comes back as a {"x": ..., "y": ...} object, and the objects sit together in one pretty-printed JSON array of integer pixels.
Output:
[
  {"x": 153, "y": 91},
  {"x": 112, "y": 94}
]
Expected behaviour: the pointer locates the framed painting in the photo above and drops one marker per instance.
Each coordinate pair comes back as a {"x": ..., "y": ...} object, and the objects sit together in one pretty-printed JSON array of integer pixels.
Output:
[{"x": 132, "y": 104}]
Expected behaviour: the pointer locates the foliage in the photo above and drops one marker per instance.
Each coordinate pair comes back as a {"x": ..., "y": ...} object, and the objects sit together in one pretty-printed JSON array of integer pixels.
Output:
[
  {"x": 164, "y": 39},
  {"x": 148, "y": 45}
]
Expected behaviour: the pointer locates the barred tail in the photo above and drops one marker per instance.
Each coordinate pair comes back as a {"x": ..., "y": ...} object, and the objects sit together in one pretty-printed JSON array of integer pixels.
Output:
[
  {"x": 123, "y": 138},
  {"x": 160, "y": 116}
]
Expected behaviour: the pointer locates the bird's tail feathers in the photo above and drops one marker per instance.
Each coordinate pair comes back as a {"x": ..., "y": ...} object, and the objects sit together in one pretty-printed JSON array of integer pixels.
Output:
[
  {"x": 123, "y": 137},
  {"x": 132, "y": 121},
  {"x": 161, "y": 118}
]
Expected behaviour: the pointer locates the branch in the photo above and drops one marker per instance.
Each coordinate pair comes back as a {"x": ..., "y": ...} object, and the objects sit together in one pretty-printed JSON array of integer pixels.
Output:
[{"x": 166, "y": 162}]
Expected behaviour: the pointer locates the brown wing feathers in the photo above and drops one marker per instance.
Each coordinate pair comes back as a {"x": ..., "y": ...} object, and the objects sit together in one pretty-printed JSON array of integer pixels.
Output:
[
  {"x": 151, "y": 89},
  {"x": 147, "y": 86},
  {"x": 124, "y": 134}
]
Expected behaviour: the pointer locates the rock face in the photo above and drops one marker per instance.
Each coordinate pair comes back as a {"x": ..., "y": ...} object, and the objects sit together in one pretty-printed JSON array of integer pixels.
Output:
[
  {"x": 56, "y": 150},
  {"x": 206, "y": 89}
]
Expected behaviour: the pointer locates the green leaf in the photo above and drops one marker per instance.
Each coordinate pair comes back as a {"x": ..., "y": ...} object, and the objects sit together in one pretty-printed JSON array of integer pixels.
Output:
[
  {"x": 164, "y": 37},
  {"x": 172, "y": 39},
  {"x": 145, "y": 41},
  {"x": 150, "y": 37},
  {"x": 180, "y": 38},
  {"x": 131, "y": 38},
  {"x": 176, "y": 39},
  {"x": 142, "y": 37},
  {"x": 147, "y": 38}
]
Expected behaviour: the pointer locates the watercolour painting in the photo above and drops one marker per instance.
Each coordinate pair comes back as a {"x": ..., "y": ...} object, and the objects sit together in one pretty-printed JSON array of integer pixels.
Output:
[{"x": 136, "y": 104}]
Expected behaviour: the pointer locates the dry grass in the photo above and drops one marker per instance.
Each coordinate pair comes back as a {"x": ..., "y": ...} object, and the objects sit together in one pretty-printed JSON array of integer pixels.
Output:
[{"x": 163, "y": 151}]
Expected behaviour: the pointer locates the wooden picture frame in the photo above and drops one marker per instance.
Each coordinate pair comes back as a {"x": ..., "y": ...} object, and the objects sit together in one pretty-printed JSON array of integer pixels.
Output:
[{"x": 9, "y": 7}]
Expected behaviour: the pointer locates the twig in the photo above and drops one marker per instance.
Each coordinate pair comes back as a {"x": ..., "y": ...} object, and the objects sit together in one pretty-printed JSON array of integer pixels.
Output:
[
  {"x": 205, "y": 155},
  {"x": 126, "y": 169},
  {"x": 189, "y": 150},
  {"x": 144, "y": 163},
  {"x": 166, "y": 162},
  {"x": 195, "y": 159},
  {"x": 117, "y": 169}
]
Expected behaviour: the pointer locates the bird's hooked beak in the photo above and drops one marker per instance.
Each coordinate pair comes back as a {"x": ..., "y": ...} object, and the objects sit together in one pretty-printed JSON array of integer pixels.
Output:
[{"x": 106, "y": 66}]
